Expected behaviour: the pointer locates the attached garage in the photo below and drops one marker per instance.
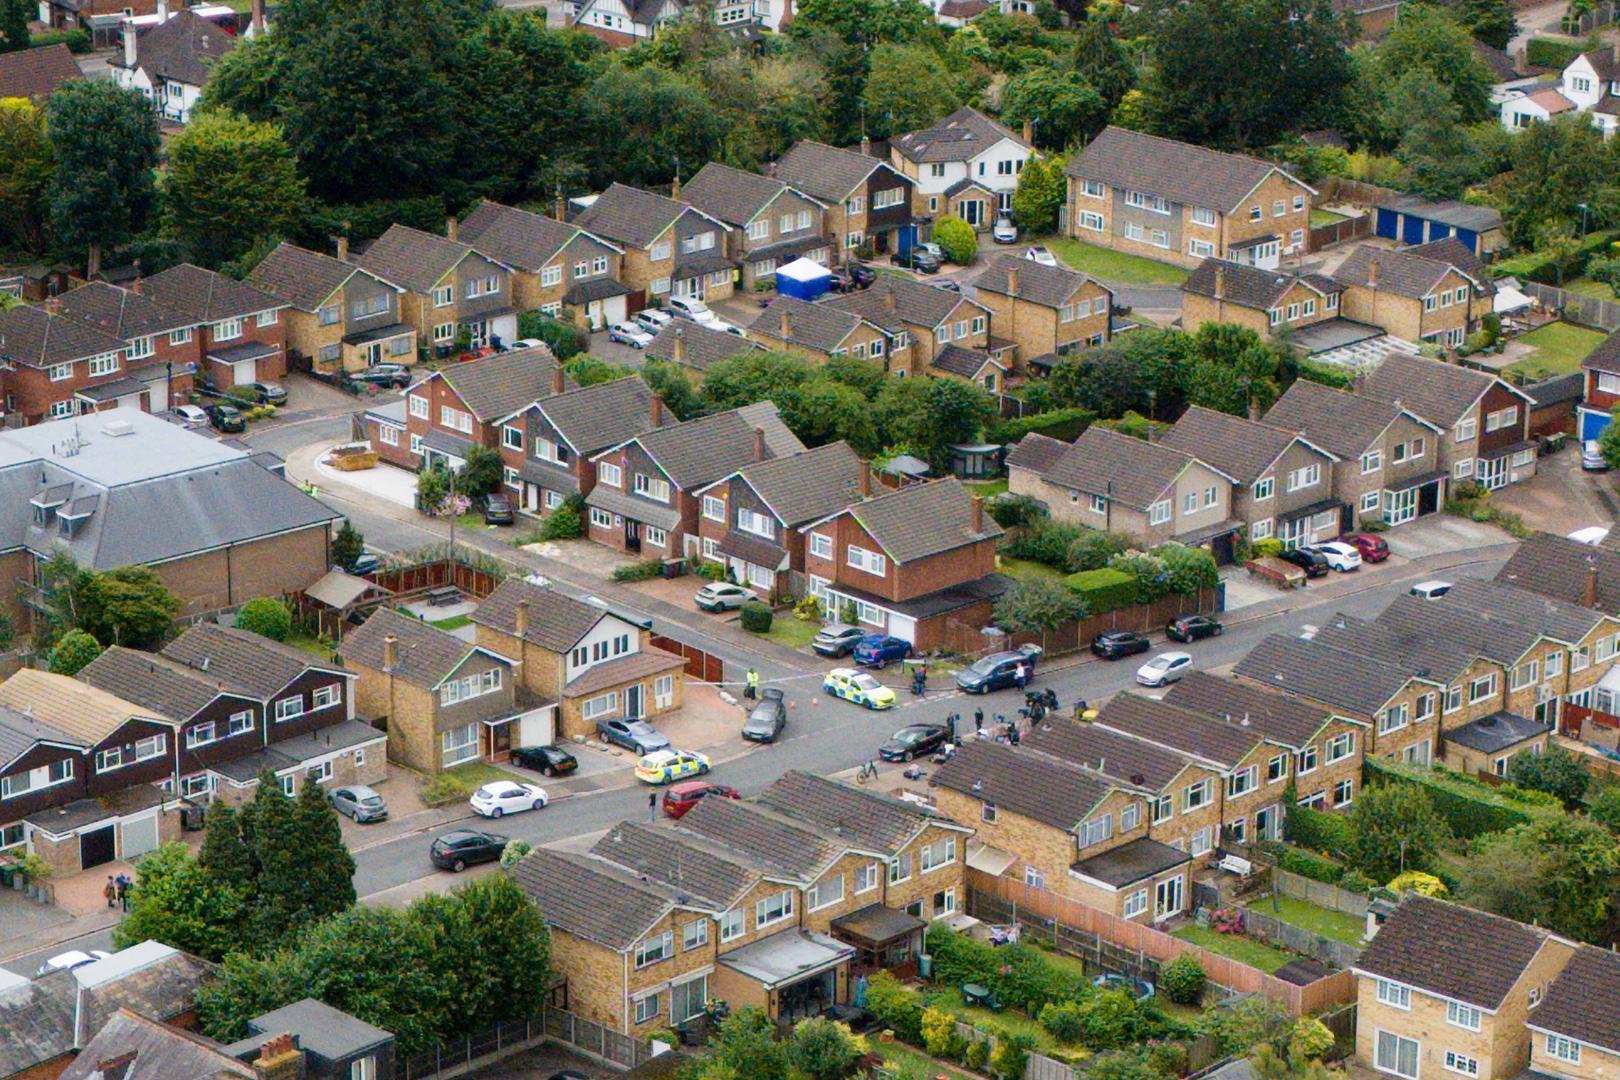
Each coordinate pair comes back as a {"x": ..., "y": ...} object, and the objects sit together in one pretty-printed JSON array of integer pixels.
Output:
[
  {"x": 139, "y": 836},
  {"x": 97, "y": 846},
  {"x": 1414, "y": 220}
]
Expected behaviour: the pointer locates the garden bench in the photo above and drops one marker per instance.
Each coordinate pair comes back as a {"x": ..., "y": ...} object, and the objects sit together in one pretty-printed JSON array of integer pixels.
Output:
[{"x": 1236, "y": 864}]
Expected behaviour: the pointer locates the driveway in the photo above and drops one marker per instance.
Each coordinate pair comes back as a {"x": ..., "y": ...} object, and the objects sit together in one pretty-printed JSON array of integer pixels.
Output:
[{"x": 1560, "y": 496}]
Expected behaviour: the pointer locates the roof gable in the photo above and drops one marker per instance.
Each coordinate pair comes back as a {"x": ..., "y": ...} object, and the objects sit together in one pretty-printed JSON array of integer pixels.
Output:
[
  {"x": 553, "y": 621},
  {"x": 1177, "y": 171},
  {"x": 1419, "y": 945},
  {"x": 415, "y": 259},
  {"x": 921, "y": 520},
  {"x": 495, "y": 387}
]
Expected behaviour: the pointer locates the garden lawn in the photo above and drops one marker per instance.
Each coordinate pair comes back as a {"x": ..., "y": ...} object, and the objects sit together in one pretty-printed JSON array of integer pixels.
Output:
[
  {"x": 1320, "y": 218},
  {"x": 1318, "y": 920},
  {"x": 1011, "y": 1021},
  {"x": 912, "y": 1062},
  {"x": 793, "y": 632},
  {"x": 311, "y": 645},
  {"x": 1027, "y": 569},
  {"x": 1242, "y": 949},
  {"x": 1560, "y": 348},
  {"x": 475, "y": 774},
  {"x": 454, "y": 622},
  {"x": 1585, "y": 286},
  {"x": 986, "y": 488},
  {"x": 1114, "y": 267}
]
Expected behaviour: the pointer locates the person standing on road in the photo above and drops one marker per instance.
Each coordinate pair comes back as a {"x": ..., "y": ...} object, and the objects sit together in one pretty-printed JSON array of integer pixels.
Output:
[
  {"x": 751, "y": 690},
  {"x": 978, "y": 721},
  {"x": 111, "y": 892},
  {"x": 652, "y": 807},
  {"x": 1021, "y": 676},
  {"x": 123, "y": 891}
]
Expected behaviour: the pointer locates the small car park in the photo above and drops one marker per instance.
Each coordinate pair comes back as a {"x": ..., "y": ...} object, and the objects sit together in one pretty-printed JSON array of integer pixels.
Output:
[
  {"x": 836, "y": 641},
  {"x": 1192, "y": 628},
  {"x": 226, "y": 419},
  {"x": 637, "y": 736},
  {"x": 767, "y": 718},
  {"x": 1430, "y": 590},
  {"x": 854, "y": 276},
  {"x": 1113, "y": 644},
  {"x": 1164, "y": 669},
  {"x": 667, "y": 766},
  {"x": 497, "y": 509},
  {"x": 1307, "y": 560},
  {"x": 1372, "y": 548},
  {"x": 685, "y": 794},
  {"x": 722, "y": 596},
  {"x": 1340, "y": 556},
  {"x": 501, "y": 797},
  {"x": 858, "y": 687},
  {"x": 877, "y": 650},
  {"x": 546, "y": 760},
  {"x": 628, "y": 333},
  {"x": 653, "y": 320},
  {"x": 457, "y": 850},
  {"x": 359, "y": 802},
  {"x": 191, "y": 415},
  {"x": 913, "y": 741},
  {"x": 997, "y": 670},
  {"x": 1004, "y": 231}
]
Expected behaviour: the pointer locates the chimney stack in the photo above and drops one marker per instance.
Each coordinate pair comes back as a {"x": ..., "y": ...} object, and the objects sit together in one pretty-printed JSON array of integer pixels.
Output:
[
  {"x": 1012, "y": 281},
  {"x": 53, "y": 305},
  {"x": 390, "y": 652},
  {"x": 675, "y": 187},
  {"x": 451, "y": 225},
  {"x": 520, "y": 617},
  {"x": 759, "y": 444},
  {"x": 658, "y": 403},
  {"x": 678, "y": 353},
  {"x": 1372, "y": 274},
  {"x": 866, "y": 146},
  {"x": 163, "y": 11},
  {"x": 1029, "y": 132},
  {"x": 129, "y": 46},
  {"x": 785, "y": 325},
  {"x": 1220, "y": 282},
  {"x": 866, "y": 480},
  {"x": 280, "y": 1059},
  {"x": 888, "y": 299},
  {"x": 343, "y": 249},
  {"x": 557, "y": 383},
  {"x": 1590, "y": 595},
  {"x": 978, "y": 514},
  {"x": 561, "y": 206}
]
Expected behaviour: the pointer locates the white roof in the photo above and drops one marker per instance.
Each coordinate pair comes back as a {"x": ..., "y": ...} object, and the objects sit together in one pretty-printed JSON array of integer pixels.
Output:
[
  {"x": 121, "y": 446},
  {"x": 122, "y": 963},
  {"x": 802, "y": 269},
  {"x": 1509, "y": 299}
]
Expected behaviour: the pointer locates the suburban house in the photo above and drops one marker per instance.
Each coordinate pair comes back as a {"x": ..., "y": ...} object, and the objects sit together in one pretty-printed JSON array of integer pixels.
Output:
[
  {"x": 1412, "y": 219},
  {"x": 622, "y": 23},
  {"x": 454, "y": 296},
  {"x": 750, "y": 519},
  {"x": 169, "y": 62},
  {"x": 340, "y": 318},
  {"x": 670, "y": 248},
  {"x": 332, "y": 1044},
  {"x": 1414, "y": 294},
  {"x": 782, "y": 902},
  {"x": 1601, "y": 370},
  {"x": 1421, "y": 1011},
  {"x": 907, "y": 562},
  {"x": 444, "y": 700},
  {"x": 1388, "y": 465},
  {"x": 1589, "y": 84},
  {"x": 161, "y": 347},
  {"x": 50, "y": 360},
  {"x": 1046, "y": 311},
  {"x": 1484, "y": 420},
  {"x": 1566, "y": 570},
  {"x": 965, "y": 164},
  {"x": 645, "y": 497},
  {"x": 240, "y": 335},
  {"x": 548, "y": 446},
  {"x": 1282, "y": 484},
  {"x": 464, "y": 405},
  {"x": 930, "y": 331},
  {"x": 868, "y": 201},
  {"x": 693, "y": 345},
  {"x": 1182, "y": 203},
  {"x": 1272, "y": 302},
  {"x": 1151, "y": 492},
  {"x": 35, "y": 73},
  {"x": 596, "y": 664},
  {"x": 1572, "y": 1035},
  {"x": 558, "y": 269},
  {"x": 822, "y": 331},
  {"x": 769, "y": 224}
]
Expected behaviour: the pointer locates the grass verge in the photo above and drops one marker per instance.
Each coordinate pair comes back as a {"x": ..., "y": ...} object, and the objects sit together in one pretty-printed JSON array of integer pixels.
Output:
[
  {"x": 1242, "y": 949},
  {"x": 1318, "y": 920},
  {"x": 795, "y": 633},
  {"x": 1559, "y": 348},
  {"x": 1115, "y": 267}
]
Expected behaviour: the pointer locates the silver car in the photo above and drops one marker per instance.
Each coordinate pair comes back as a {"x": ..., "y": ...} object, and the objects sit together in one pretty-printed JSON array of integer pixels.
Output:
[
  {"x": 722, "y": 596},
  {"x": 1004, "y": 232},
  {"x": 359, "y": 802}
]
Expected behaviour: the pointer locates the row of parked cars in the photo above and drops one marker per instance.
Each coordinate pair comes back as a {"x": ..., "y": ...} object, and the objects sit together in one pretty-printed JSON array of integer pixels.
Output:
[{"x": 1343, "y": 555}]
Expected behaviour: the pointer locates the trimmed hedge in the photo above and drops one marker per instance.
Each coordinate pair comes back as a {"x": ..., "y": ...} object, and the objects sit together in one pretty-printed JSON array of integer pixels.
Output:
[
  {"x": 1318, "y": 830},
  {"x": 755, "y": 617},
  {"x": 1103, "y": 590},
  {"x": 1542, "y": 267},
  {"x": 1065, "y": 424},
  {"x": 1307, "y": 864},
  {"x": 77, "y": 41},
  {"x": 1552, "y": 53},
  {"x": 1470, "y": 807}
]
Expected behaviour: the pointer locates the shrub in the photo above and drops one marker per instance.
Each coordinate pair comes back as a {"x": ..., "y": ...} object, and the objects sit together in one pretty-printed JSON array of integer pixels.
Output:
[
  {"x": 644, "y": 570},
  {"x": 1064, "y": 1019},
  {"x": 1182, "y": 979},
  {"x": 567, "y": 522},
  {"x": 77, "y": 41},
  {"x": 1103, "y": 590},
  {"x": 1318, "y": 830},
  {"x": 1306, "y": 864},
  {"x": 1543, "y": 267},
  {"x": 1419, "y": 882},
  {"x": 1355, "y": 881},
  {"x": 1470, "y": 807},
  {"x": 1557, "y": 772},
  {"x": 1151, "y": 574},
  {"x": 1110, "y": 1020},
  {"x": 566, "y": 340},
  {"x": 808, "y": 608},
  {"x": 1545, "y": 52},
  {"x": 822, "y": 1049},
  {"x": 1189, "y": 568},
  {"x": 1251, "y": 1021},
  {"x": 755, "y": 617},
  {"x": 1045, "y": 540},
  {"x": 956, "y": 239},
  {"x": 1093, "y": 548},
  {"x": 710, "y": 571},
  {"x": 1011, "y": 1056},
  {"x": 1065, "y": 424},
  {"x": 267, "y": 617},
  {"x": 939, "y": 1035},
  {"x": 978, "y": 1055},
  {"x": 513, "y": 852},
  {"x": 1226, "y": 920},
  {"x": 1309, "y": 1041},
  {"x": 898, "y": 1008},
  {"x": 1014, "y": 511},
  {"x": 1269, "y": 546},
  {"x": 445, "y": 789},
  {"x": 72, "y": 652}
]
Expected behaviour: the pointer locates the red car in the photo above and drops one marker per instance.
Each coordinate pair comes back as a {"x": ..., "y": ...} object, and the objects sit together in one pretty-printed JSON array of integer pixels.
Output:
[
  {"x": 1372, "y": 548},
  {"x": 680, "y": 798}
]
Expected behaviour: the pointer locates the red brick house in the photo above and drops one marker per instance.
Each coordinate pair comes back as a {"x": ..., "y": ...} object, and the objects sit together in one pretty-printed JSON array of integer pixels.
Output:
[
  {"x": 1602, "y": 371},
  {"x": 50, "y": 360},
  {"x": 908, "y": 562},
  {"x": 451, "y": 411},
  {"x": 240, "y": 334},
  {"x": 163, "y": 348}
]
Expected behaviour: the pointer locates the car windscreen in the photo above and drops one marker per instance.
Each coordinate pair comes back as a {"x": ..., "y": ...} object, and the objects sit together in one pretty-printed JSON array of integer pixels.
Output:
[
  {"x": 371, "y": 800},
  {"x": 985, "y": 666},
  {"x": 865, "y": 682}
]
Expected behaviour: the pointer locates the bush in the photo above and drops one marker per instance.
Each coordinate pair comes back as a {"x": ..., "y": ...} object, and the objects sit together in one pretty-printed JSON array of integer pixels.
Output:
[
  {"x": 1306, "y": 864},
  {"x": 1103, "y": 590},
  {"x": 1014, "y": 511},
  {"x": 956, "y": 239},
  {"x": 1011, "y": 1057},
  {"x": 1543, "y": 52},
  {"x": 1357, "y": 882},
  {"x": 1419, "y": 882},
  {"x": 898, "y": 1008},
  {"x": 567, "y": 522},
  {"x": 1543, "y": 267},
  {"x": 1309, "y": 1041},
  {"x": 72, "y": 652},
  {"x": 444, "y": 789},
  {"x": 267, "y": 617},
  {"x": 1064, "y": 1020},
  {"x": 645, "y": 570},
  {"x": 1470, "y": 807},
  {"x": 566, "y": 340},
  {"x": 822, "y": 1049},
  {"x": 1182, "y": 979},
  {"x": 1093, "y": 549},
  {"x": 710, "y": 571},
  {"x": 808, "y": 608},
  {"x": 513, "y": 853},
  {"x": 1318, "y": 830},
  {"x": 1557, "y": 772},
  {"x": 1248, "y": 1023},
  {"x": 978, "y": 1055},
  {"x": 1110, "y": 1020},
  {"x": 77, "y": 41},
  {"x": 755, "y": 617},
  {"x": 939, "y": 1035},
  {"x": 1066, "y": 425},
  {"x": 1045, "y": 540},
  {"x": 1270, "y": 546}
]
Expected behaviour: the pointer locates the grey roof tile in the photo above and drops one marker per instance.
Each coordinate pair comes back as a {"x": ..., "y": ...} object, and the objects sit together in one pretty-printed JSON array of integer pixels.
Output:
[
  {"x": 555, "y": 621},
  {"x": 160, "y": 1050},
  {"x": 242, "y": 660},
  {"x": 20, "y": 733},
  {"x": 205, "y": 296},
  {"x": 424, "y": 654},
  {"x": 184, "y": 49},
  {"x": 699, "y": 452},
  {"x": 1439, "y": 392},
  {"x": 731, "y": 195},
  {"x": 1022, "y": 781},
  {"x": 846, "y": 814},
  {"x": 1132, "y": 471},
  {"x": 1182, "y": 730},
  {"x": 683, "y": 341},
  {"x": 890, "y": 298},
  {"x": 961, "y": 136},
  {"x": 777, "y": 843},
  {"x": 1249, "y": 286},
  {"x": 1123, "y": 758},
  {"x": 1400, "y": 271},
  {"x": 1558, "y": 567},
  {"x": 151, "y": 681},
  {"x": 1580, "y": 1002},
  {"x": 820, "y": 327},
  {"x": 1606, "y": 357},
  {"x": 805, "y": 487},
  {"x": 37, "y": 1019},
  {"x": 1453, "y": 251},
  {"x": 120, "y": 312},
  {"x": 1243, "y": 449},
  {"x": 1036, "y": 452},
  {"x": 516, "y": 238},
  {"x": 963, "y": 363},
  {"x": 1049, "y": 286},
  {"x": 1495, "y": 619},
  {"x": 301, "y": 277},
  {"x": 1420, "y": 944},
  {"x": 921, "y": 520},
  {"x": 825, "y": 172},
  {"x": 1178, "y": 171},
  {"x": 412, "y": 258},
  {"x": 498, "y": 386},
  {"x": 630, "y": 216},
  {"x": 590, "y": 898},
  {"x": 34, "y": 338},
  {"x": 1274, "y": 716},
  {"x": 701, "y": 867},
  {"x": 1340, "y": 422},
  {"x": 594, "y": 418},
  {"x": 1349, "y": 682}
]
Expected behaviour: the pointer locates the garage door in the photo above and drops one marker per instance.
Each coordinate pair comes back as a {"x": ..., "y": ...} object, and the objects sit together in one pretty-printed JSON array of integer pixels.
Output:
[
  {"x": 903, "y": 627},
  {"x": 1387, "y": 224},
  {"x": 140, "y": 836},
  {"x": 96, "y": 846},
  {"x": 1412, "y": 230}
]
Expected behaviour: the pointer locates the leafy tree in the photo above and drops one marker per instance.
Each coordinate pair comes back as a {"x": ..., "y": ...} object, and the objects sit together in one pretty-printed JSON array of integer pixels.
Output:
[
  {"x": 348, "y": 545},
  {"x": 1557, "y": 166},
  {"x": 865, "y": 378},
  {"x": 956, "y": 239},
  {"x": 822, "y": 1049},
  {"x": 501, "y": 947},
  {"x": 931, "y": 415},
  {"x": 565, "y": 339},
  {"x": 1557, "y": 772},
  {"x": 827, "y": 410},
  {"x": 1432, "y": 144},
  {"x": 1603, "y": 804},
  {"x": 62, "y": 584},
  {"x": 1429, "y": 37},
  {"x": 1062, "y": 104},
  {"x": 130, "y": 606},
  {"x": 754, "y": 376},
  {"x": 1558, "y": 871},
  {"x": 27, "y": 166},
  {"x": 326, "y": 885},
  {"x": 861, "y": 22},
  {"x": 1609, "y": 439},
  {"x": 247, "y": 80},
  {"x": 1234, "y": 370},
  {"x": 1134, "y": 111},
  {"x": 105, "y": 141},
  {"x": 1394, "y": 827},
  {"x": 673, "y": 385},
  {"x": 1099, "y": 59},
  {"x": 1037, "y": 605},
  {"x": 1491, "y": 21},
  {"x": 230, "y": 183},
  {"x": 1605, "y": 268},
  {"x": 14, "y": 16},
  {"x": 267, "y": 617},
  {"x": 746, "y": 1043},
  {"x": 225, "y": 853},
  {"x": 73, "y": 651},
  {"x": 1271, "y": 1063},
  {"x": 1188, "y": 568},
  {"x": 593, "y": 370},
  {"x": 646, "y": 125},
  {"x": 481, "y": 476},
  {"x": 907, "y": 89},
  {"x": 178, "y": 901},
  {"x": 1040, "y": 192},
  {"x": 1310, "y": 1040}
]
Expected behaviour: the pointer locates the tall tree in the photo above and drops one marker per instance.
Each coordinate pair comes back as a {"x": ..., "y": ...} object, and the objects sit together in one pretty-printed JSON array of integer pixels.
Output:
[
  {"x": 1491, "y": 21},
  {"x": 1557, "y": 167},
  {"x": 501, "y": 946},
  {"x": 1432, "y": 144},
  {"x": 231, "y": 182},
  {"x": 1427, "y": 36},
  {"x": 179, "y": 902},
  {"x": 907, "y": 89},
  {"x": 1063, "y": 105},
  {"x": 105, "y": 141},
  {"x": 327, "y": 883},
  {"x": 129, "y": 606},
  {"x": 1099, "y": 58},
  {"x": 347, "y": 546},
  {"x": 73, "y": 652},
  {"x": 1558, "y": 871},
  {"x": 14, "y": 16},
  {"x": 646, "y": 125},
  {"x": 1394, "y": 828},
  {"x": 27, "y": 165},
  {"x": 224, "y": 852}
]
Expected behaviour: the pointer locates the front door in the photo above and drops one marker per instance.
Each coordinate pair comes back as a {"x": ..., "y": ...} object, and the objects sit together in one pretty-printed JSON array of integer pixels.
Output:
[
  {"x": 632, "y": 702},
  {"x": 1268, "y": 823},
  {"x": 593, "y": 313},
  {"x": 973, "y": 212},
  {"x": 500, "y": 742},
  {"x": 1547, "y": 711},
  {"x": 374, "y": 354},
  {"x": 478, "y": 333},
  {"x": 632, "y": 535},
  {"x": 1428, "y": 498},
  {"x": 1492, "y": 474},
  {"x": 1400, "y": 506},
  {"x": 1167, "y": 898},
  {"x": 96, "y": 847}
]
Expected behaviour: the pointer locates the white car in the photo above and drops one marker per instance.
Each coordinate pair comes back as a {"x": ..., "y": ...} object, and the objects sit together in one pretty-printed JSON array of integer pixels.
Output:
[
  {"x": 1591, "y": 536},
  {"x": 1164, "y": 668},
  {"x": 722, "y": 596},
  {"x": 696, "y": 310},
  {"x": 1431, "y": 590},
  {"x": 507, "y": 797},
  {"x": 1341, "y": 557},
  {"x": 653, "y": 320},
  {"x": 191, "y": 415},
  {"x": 70, "y": 960},
  {"x": 628, "y": 333},
  {"x": 1004, "y": 231},
  {"x": 524, "y": 343},
  {"x": 1040, "y": 254}
]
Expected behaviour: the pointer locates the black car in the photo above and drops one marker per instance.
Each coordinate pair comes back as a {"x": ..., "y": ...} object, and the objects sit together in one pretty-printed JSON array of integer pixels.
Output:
[
  {"x": 915, "y": 740},
  {"x": 1314, "y": 564},
  {"x": 460, "y": 849},
  {"x": 388, "y": 376},
  {"x": 919, "y": 259},
  {"x": 836, "y": 641},
  {"x": 549, "y": 760},
  {"x": 267, "y": 393},
  {"x": 1192, "y": 628},
  {"x": 948, "y": 286},
  {"x": 497, "y": 510},
  {"x": 366, "y": 562},
  {"x": 997, "y": 670},
  {"x": 767, "y": 719},
  {"x": 1114, "y": 644},
  {"x": 852, "y": 277},
  {"x": 226, "y": 418}
]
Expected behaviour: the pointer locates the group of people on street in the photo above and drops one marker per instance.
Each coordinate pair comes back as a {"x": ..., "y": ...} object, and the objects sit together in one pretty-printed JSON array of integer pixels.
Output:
[{"x": 117, "y": 890}]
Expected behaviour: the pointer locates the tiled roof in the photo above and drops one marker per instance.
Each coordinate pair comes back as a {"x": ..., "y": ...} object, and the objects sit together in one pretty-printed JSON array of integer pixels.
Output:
[
  {"x": 34, "y": 73},
  {"x": 1243, "y": 449},
  {"x": 241, "y": 660},
  {"x": 1606, "y": 357},
  {"x": 415, "y": 259},
  {"x": 631, "y": 667},
  {"x": 37, "y": 1018},
  {"x": 865, "y": 819},
  {"x": 699, "y": 452},
  {"x": 1396, "y": 271},
  {"x": 890, "y": 298},
  {"x": 158, "y": 1050},
  {"x": 700, "y": 347},
  {"x": 1425, "y": 655},
  {"x": 1249, "y": 286},
  {"x": 555, "y": 621},
  {"x": 1558, "y": 567},
  {"x": 630, "y": 216},
  {"x": 151, "y": 978},
  {"x": 1338, "y": 421},
  {"x": 1123, "y": 758},
  {"x": 1274, "y": 716},
  {"x": 1454, "y": 251},
  {"x": 1022, "y": 781},
  {"x": 807, "y": 486},
  {"x": 513, "y": 237},
  {"x": 185, "y": 49},
  {"x": 961, "y": 136},
  {"x": 301, "y": 277},
  {"x": 1131, "y": 471},
  {"x": 32, "y": 337},
  {"x": 1036, "y": 452},
  {"x": 1359, "y": 685},
  {"x": 1557, "y": 390},
  {"x": 498, "y": 386},
  {"x": 1501, "y": 64},
  {"x": 921, "y": 520},
  {"x": 1580, "y": 1002},
  {"x": 204, "y": 296},
  {"x": 590, "y": 898},
  {"x": 777, "y": 843},
  {"x": 1178, "y": 171},
  {"x": 963, "y": 363},
  {"x": 1439, "y": 392},
  {"x": 1497, "y": 620},
  {"x": 594, "y": 418},
  {"x": 1183, "y": 730},
  {"x": 699, "y": 866},
  {"x": 1604, "y": 61},
  {"x": 78, "y": 710},
  {"x": 120, "y": 312},
  {"x": 1050, "y": 286},
  {"x": 424, "y": 655},
  {"x": 151, "y": 681},
  {"x": 820, "y": 327},
  {"x": 331, "y": 1033},
  {"x": 825, "y": 172},
  {"x": 731, "y": 195},
  {"x": 1422, "y": 942}
]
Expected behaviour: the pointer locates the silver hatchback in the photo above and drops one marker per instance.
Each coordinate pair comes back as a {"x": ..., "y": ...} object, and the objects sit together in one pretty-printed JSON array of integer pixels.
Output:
[{"x": 359, "y": 802}]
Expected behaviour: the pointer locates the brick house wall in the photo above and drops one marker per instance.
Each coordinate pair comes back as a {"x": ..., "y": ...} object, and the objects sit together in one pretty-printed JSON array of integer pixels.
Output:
[
  {"x": 540, "y": 479},
  {"x": 31, "y": 391},
  {"x": 1196, "y": 479},
  {"x": 925, "y": 887},
  {"x": 415, "y": 717},
  {"x": 311, "y": 719},
  {"x": 1197, "y": 309},
  {"x": 608, "y": 529},
  {"x": 1326, "y": 776},
  {"x": 1291, "y": 226},
  {"x": 1350, "y": 483},
  {"x": 734, "y": 495},
  {"x": 268, "y": 369},
  {"x": 1181, "y": 231},
  {"x": 899, "y": 581},
  {"x": 595, "y": 975},
  {"x": 1494, "y": 444},
  {"x": 788, "y": 202},
  {"x": 530, "y": 291},
  {"x": 441, "y": 396},
  {"x": 224, "y": 577},
  {"x": 133, "y": 772},
  {"x": 1252, "y": 511},
  {"x": 1037, "y": 329}
]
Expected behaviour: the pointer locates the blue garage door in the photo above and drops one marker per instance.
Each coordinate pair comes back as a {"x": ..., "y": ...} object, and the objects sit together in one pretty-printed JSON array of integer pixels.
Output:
[
  {"x": 1438, "y": 231},
  {"x": 1386, "y": 223},
  {"x": 1468, "y": 239},
  {"x": 1592, "y": 423},
  {"x": 1412, "y": 230}
]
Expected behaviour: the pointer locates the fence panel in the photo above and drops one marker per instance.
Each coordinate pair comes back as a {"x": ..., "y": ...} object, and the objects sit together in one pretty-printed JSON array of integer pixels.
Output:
[
  {"x": 1295, "y": 939},
  {"x": 1320, "y": 893},
  {"x": 464, "y": 1056},
  {"x": 1338, "y": 232},
  {"x": 1592, "y": 311}
]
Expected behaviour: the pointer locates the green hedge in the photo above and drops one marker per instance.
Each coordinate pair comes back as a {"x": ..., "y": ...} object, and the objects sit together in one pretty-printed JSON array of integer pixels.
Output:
[
  {"x": 1471, "y": 807},
  {"x": 1551, "y": 53},
  {"x": 1307, "y": 864},
  {"x": 1334, "y": 375},
  {"x": 1064, "y": 424},
  {"x": 1103, "y": 590},
  {"x": 1318, "y": 830},
  {"x": 1542, "y": 267},
  {"x": 77, "y": 41}
]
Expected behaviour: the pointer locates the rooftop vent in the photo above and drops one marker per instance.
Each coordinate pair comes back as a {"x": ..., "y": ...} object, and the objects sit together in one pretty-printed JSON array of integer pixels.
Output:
[{"x": 117, "y": 428}]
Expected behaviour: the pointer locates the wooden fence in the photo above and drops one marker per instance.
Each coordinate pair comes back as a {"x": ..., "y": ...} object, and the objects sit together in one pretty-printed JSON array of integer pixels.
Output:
[
  {"x": 422, "y": 577},
  {"x": 1319, "y": 893},
  {"x": 1591, "y": 311},
  {"x": 1202, "y": 1053},
  {"x": 1046, "y": 913},
  {"x": 1258, "y": 923},
  {"x": 477, "y": 1051},
  {"x": 701, "y": 665},
  {"x": 965, "y": 638},
  {"x": 1325, "y": 236},
  {"x": 1340, "y": 189}
]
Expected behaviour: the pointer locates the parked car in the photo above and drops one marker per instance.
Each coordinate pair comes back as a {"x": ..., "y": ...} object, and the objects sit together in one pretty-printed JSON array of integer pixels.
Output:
[
  {"x": 876, "y": 650},
  {"x": 667, "y": 766},
  {"x": 858, "y": 687},
  {"x": 1113, "y": 644},
  {"x": 226, "y": 419},
  {"x": 682, "y": 796},
  {"x": 684, "y": 307},
  {"x": 267, "y": 393},
  {"x": 629, "y": 333},
  {"x": 1039, "y": 253},
  {"x": 722, "y": 596},
  {"x": 498, "y": 509},
  {"x": 1193, "y": 628},
  {"x": 1164, "y": 669},
  {"x": 1307, "y": 560},
  {"x": 1340, "y": 556},
  {"x": 637, "y": 736},
  {"x": 914, "y": 740},
  {"x": 72, "y": 959},
  {"x": 767, "y": 718},
  {"x": 997, "y": 670},
  {"x": 918, "y": 259},
  {"x": 1004, "y": 231},
  {"x": 1591, "y": 536},
  {"x": 524, "y": 343},
  {"x": 367, "y": 562},
  {"x": 547, "y": 760},
  {"x": 501, "y": 797},
  {"x": 191, "y": 415},
  {"x": 358, "y": 802},
  {"x": 388, "y": 376},
  {"x": 1430, "y": 590},
  {"x": 947, "y": 284},
  {"x": 457, "y": 850},
  {"x": 728, "y": 328},
  {"x": 652, "y": 319},
  {"x": 1592, "y": 459},
  {"x": 1372, "y": 548},
  {"x": 836, "y": 641},
  {"x": 853, "y": 276}
]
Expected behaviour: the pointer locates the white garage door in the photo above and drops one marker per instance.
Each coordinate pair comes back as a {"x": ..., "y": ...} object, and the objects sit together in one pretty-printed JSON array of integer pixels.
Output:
[
  {"x": 139, "y": 836},
  {"x": 903, "y": 627}
]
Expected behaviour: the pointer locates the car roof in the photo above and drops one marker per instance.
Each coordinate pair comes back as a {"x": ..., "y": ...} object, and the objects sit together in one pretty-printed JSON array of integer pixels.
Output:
[
  {"x": 501, "y": 785},
  {"x": 686, "y": 787},
  {"x": 460, "y": 835},
  {"x": 843, "y": 672},
  {"x": 659, "y": 757}
]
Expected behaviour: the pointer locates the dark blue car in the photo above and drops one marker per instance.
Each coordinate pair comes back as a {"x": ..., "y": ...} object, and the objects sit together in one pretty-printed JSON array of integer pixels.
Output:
[{"x": 878, "y": 649}]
